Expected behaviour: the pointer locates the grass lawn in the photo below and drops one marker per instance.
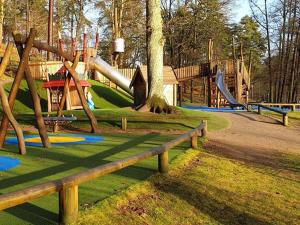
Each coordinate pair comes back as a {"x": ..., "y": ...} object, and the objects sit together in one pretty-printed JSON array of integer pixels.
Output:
[
  {"x": 40, "y": 165},
  {"x": 203, "y": 188}
]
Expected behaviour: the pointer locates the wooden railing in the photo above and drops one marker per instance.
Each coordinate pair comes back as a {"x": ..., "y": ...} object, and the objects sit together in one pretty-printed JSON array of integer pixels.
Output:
[
  {"x": 285, "y": 118},
  {"x": 67, "y": 187},
  {"x": 293, "y": 106}
]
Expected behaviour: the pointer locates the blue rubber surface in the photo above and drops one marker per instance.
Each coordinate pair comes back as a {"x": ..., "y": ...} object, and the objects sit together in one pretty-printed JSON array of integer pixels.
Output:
[
  {"x": 7, "y": 163},
  {"x": 208, "y": 109},
  {"x": 88, "y": 139}
]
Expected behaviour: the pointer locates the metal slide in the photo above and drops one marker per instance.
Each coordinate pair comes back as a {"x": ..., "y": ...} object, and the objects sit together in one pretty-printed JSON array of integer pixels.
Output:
[
  {"x": 221, "y": 85},
  {"x": 109, "y": 72}
]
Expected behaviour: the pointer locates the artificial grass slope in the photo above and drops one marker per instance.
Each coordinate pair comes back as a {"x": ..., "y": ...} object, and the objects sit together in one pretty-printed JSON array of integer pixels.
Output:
[
  {"x": 103, "y": 97},
  {"x": 202, "y": 188},
  {"x": 40, "y": 165}
]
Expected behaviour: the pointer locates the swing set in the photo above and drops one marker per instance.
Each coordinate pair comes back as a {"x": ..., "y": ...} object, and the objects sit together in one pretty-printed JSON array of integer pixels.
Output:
[{"x": 24, "y": 46}]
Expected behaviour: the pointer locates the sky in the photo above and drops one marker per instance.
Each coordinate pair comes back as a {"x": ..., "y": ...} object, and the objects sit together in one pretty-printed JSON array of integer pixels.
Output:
[{"x": 240, "y": 9}]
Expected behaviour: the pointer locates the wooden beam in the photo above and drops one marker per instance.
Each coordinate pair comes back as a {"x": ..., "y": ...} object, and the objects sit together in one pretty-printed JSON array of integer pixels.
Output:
[
  {"x": 5, "y": 59},
  {"x": 87, "y": 110},
  {"x": 33, "y": 90},
  {"x": 15, "y": 86},
  {"x": 66, "y": 91}
]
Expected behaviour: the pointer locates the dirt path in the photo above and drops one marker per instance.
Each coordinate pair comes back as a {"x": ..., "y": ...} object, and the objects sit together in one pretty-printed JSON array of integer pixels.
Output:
[{"x": 254, "y": 138}]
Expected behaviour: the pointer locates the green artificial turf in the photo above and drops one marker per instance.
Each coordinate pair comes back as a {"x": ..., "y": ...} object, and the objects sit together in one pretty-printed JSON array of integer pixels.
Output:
[
  {"x": 103, "y": 97},
  {"x": 40, "y": 165}
]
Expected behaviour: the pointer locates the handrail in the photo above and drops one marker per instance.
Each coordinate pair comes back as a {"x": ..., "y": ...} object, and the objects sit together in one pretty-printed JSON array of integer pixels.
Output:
[
  {"x": 292, "y": 105},
  {"x": 284, "y": 114},
  {"x": 68, "y": 186}
]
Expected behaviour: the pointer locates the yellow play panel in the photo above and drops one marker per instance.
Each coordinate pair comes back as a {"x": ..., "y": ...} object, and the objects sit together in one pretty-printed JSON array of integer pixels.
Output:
[{"x": 56, "y": 139}]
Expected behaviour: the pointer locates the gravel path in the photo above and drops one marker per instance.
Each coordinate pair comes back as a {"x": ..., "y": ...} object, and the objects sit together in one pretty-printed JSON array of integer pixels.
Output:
[{"x": 254, "y": 138}]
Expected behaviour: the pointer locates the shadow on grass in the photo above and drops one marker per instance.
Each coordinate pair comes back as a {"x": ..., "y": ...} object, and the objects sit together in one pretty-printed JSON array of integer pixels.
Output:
[
  {"x": 208, "y": 204},
  {"x": 37, "y": 215},
  {"x": 111, "y": 96}
]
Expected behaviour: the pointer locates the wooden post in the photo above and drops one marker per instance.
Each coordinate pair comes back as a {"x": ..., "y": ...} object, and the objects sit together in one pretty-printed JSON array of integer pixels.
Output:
[
  {"x": 191, "y": 97},
  {"x": 194, "y": 141},
  {"x": 285, "y": 120},
  {"x": 204, "y": 130},
  {"x": 209, "y": 91},
  {"x": 124, "y": 123},
  {"x": 293, "y": 108},
  {"x": 84, "y": 46},
  {"x": 259, "y": 110},
  {"x": 180, "y": 94},
  {"x": 50, "y": 27},
  {"x": 68, "y": 205},
  {"x": 218, "y": 98},
  {"x": 23, "y": 66},
  {"x": 87, "y": 110},
  {"x": 163, "y": 162},
  {"x": 97, "y": 41},
  {"x": 32, "y": 88},
  {"x": 65, "y": 91}
]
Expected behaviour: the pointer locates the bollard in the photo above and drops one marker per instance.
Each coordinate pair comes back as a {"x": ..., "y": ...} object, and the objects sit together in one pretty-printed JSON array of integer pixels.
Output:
[
  {"x": 68, "y": 205},
  {"x": 124, "y": 123},
  {"x": 194, "y": 141},
  {"x": 204, "y": 130},
  {"x": 163, "y": 162},
  {"x": 259, "y": 110},
  {"x": 285, "y": 120}
]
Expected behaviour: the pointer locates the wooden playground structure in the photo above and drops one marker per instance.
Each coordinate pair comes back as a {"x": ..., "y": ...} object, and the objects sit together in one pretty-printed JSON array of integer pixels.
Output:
[
  {"x": 23, "y": 71},
  {"x": 236, "y": 79}
]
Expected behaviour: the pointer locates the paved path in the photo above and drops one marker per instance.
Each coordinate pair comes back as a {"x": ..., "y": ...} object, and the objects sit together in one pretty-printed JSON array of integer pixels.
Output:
[{"x": 254, "y": 138}]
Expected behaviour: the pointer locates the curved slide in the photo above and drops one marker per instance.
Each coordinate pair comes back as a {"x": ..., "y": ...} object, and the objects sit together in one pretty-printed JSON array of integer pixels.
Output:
[
  {"x": 221, "y": 85},
  {"x": 108, "y": 71}
]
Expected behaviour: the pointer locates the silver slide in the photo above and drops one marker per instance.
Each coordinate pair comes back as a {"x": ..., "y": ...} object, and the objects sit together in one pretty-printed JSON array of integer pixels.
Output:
[
  {"x": 221, "y": 85},
  {"x": 108, "y": 71}
]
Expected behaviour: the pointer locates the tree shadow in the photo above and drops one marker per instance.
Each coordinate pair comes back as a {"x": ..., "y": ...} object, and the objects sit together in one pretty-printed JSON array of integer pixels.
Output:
[
  {"x": 38, "y": 215},
  {"x": 274, "y": 121},
  {"x": 220, "y": 211},
  {"x": 114, "y": 97}
]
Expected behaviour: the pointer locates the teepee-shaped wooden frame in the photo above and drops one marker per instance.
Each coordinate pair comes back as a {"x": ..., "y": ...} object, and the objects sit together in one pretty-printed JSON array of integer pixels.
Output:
[{"x": 24, "y": 72}]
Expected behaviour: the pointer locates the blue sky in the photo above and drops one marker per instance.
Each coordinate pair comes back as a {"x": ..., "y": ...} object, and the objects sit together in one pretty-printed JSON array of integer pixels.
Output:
[{"x": 240, "y": 9}]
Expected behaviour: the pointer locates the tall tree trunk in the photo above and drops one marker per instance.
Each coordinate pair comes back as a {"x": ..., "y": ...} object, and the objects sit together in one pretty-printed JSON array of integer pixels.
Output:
[
  {"x": 1, "y": 19},
  {"x": 155, "y": 47},
  {"x": 269, "y": 53}
]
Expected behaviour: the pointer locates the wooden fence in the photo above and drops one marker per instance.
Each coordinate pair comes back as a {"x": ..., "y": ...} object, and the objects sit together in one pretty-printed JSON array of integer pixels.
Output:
[
  {"x": 67, "y": 187},
  {"x": 285, "y": 118}
]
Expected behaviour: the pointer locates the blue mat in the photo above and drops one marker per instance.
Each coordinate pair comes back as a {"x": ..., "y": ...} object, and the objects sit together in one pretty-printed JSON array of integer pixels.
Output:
[
  {"x": 208, "y": 109},
  {"x": 7, "y": 163},
  {"x": 87, "y": 139}
]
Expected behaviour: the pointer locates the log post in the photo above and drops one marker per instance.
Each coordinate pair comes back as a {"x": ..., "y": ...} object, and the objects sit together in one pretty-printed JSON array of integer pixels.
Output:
[
  {"x": 191, "y": 97},
  {"x": 16, "y": 83},
  {"x": 218, "y": 98},
  {"x": 68, "y": 205},
  {"x": 13, "y": 121},
  {"x": 194, "y": 141},
  {"x": 6, "y": 57},
  {"x": 87, "y": 110},
  {"x": 65, "y": 91},
  {"x": 259, "y": 110},
  {"x": 285, "y": 120},
  {"x": 293, "y": 108},
  {"x": 204, "y": 130},
  {"x": 163, "y": 162},
  {"x": 32, "y": 88},
  {"x": 124, "y": 123},
  {"x": 180, "y": 94}
]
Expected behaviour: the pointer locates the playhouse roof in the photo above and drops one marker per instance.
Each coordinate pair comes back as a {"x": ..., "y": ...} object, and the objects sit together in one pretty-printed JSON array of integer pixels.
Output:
[
  {"x": 168, "y": 75},
  {"x": 61, "y": 83}
]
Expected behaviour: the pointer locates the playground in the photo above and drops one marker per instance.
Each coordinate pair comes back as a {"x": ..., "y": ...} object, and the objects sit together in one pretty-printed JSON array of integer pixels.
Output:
[{"x": 95, "y": 132}]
